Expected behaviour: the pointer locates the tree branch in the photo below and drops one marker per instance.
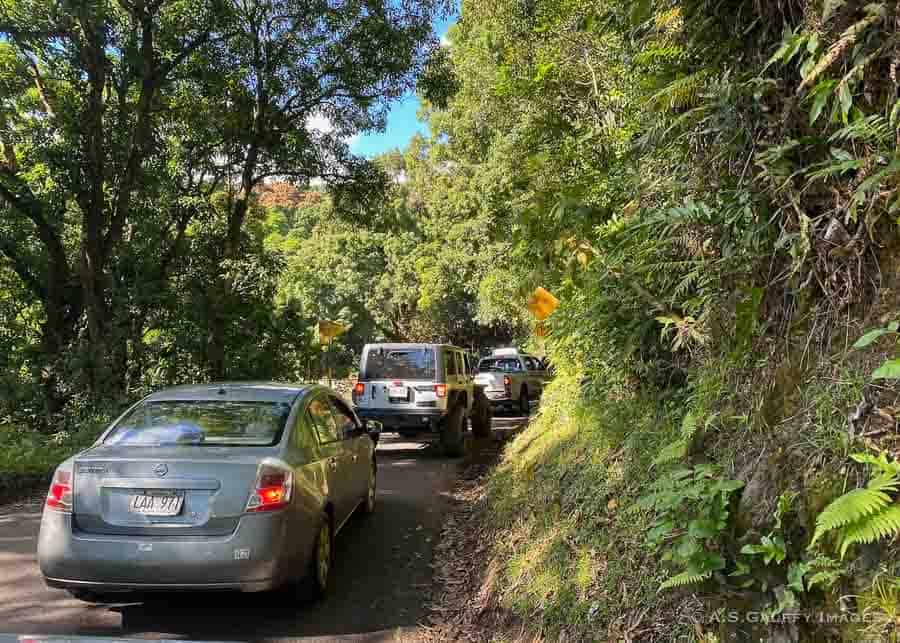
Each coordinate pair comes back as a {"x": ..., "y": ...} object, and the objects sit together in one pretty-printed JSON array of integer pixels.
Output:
[
  {"x": 22, "y": 269},
  {"x": 41, "y": 89}
]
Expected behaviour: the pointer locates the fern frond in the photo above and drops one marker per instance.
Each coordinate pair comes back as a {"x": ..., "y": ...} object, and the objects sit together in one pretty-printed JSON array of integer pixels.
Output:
[
  {"x": 871, "y": 129},
  {"x": 880, "y": 462},
  {"x": 854, "y": 506},
  {"x": 685, "y": 578},
  {"x": 844, "y": 43},
  {"x": 671, "y": 452},
  {"x": 881, "y": 525},
  {"x": 686, "y": 283},
  {"x": 680, "y": 94},
  {"x": 858, "y": 69},
  {"x": 688, "y": 426}
]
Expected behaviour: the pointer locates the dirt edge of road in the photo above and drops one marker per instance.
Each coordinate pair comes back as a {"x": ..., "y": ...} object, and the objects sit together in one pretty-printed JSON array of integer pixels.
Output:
[{"x": 466, "y": 604}]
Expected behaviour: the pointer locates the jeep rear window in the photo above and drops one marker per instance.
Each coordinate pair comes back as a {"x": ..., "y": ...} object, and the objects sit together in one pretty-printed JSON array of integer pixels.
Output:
[
  {"x": 503, "y": 364},
  {"x": 399, "y": 364}
]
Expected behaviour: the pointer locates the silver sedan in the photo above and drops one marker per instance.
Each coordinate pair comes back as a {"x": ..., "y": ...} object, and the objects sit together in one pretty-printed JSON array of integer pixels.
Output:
[{"x": 231, "y": 486}]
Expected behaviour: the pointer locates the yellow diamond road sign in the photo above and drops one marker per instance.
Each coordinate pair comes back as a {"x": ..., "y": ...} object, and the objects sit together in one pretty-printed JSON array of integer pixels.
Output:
[
  {"x": 542, "y": 303},
  {"x": 328, "y": 330}
]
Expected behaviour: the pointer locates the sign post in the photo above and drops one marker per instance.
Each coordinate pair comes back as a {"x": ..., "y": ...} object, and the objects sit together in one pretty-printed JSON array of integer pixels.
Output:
[{"x": 328, "y": 330}]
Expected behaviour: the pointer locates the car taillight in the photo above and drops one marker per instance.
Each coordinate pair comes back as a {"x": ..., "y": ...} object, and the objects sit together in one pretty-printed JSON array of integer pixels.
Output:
[
  {"x": 358, "y": 389},
  {"x": 59, "y": 498},
  {"x": 440, "y": 390},
  {"x": 272, "y": 490},
  {"x": 507, "y": 383}
]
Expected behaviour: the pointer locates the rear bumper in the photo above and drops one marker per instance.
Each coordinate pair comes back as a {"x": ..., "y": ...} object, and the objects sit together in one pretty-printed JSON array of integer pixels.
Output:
[
  {"x": 253, "y": 558},
  {"x": 110, "y": 588},
  {"x": 403, "y": 418}
]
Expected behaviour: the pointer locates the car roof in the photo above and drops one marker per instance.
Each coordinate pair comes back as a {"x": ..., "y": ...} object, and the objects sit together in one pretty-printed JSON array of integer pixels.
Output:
[
  {"x": 508, "y": 356},
  {"x": 402, "y": 345},
  {"x": 234, "y": 391},
  {"x": 509, "y": 351}
]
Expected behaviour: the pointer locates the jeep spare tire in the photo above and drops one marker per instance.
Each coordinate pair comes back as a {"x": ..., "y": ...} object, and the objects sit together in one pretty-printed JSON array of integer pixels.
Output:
[{"x": 452, "y": 432}]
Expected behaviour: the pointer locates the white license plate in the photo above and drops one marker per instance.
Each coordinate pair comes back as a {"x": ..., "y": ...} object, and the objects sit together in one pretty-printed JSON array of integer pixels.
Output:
[
  {"x": 156, "y": 505},
  {"x": 397, "y": 391}
]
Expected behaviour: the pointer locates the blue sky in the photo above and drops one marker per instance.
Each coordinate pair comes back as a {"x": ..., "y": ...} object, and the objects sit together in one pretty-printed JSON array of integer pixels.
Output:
[{"x": 402, "y": 123}]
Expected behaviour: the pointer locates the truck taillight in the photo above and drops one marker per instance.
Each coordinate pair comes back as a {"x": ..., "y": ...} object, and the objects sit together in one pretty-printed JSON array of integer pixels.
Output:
[
  {"x": 440, "y": 390},
  {"x": 59, "y": 498},
  {"x": 272, "y": 490},
  {"x": 507, "y": 384}
]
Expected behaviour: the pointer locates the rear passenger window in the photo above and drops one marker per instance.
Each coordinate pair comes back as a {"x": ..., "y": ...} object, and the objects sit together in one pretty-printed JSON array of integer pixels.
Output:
[
  {"x": 343, "y": 419},
  {"x": 304, "y": 437},
  {"x": 322, "y": 418}
]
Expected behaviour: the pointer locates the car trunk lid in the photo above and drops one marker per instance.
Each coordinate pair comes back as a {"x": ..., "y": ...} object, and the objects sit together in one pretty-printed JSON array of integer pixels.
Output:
[
  {"x": 491, "y": 381},
  {"x": 119, "y": 490}
]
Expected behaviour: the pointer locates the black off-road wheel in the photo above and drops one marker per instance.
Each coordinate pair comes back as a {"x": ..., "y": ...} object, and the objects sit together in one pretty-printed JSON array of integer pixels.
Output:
[
  {"x": 452, "y": 433},
  {"x": 524, "y": 406},
  {"x": 482, "y": 415}
]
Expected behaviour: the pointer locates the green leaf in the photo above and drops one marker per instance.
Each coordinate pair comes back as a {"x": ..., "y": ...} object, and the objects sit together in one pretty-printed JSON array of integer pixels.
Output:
[
  {"x": 702, "y": 528},
  {"x": 890, "y": 370},
  {"x": 845, "y": 100},
  {"x": 740, "y": 569},
  {"x": 870, "y": 337},
  {"x": 895, "y": 114},
  {"x": 796, "y": 572}
]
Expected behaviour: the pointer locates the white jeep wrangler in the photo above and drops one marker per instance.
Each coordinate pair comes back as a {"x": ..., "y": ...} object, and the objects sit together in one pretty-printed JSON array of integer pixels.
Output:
[{"x": 412, "y": 388}]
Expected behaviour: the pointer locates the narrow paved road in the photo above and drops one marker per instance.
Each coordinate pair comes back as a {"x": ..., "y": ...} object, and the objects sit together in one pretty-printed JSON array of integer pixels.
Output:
[{"x": 381, "y": 584}]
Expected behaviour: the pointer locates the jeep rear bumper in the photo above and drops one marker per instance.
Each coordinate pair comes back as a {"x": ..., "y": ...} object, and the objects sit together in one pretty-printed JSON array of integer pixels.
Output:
[{"x": 403, "y": 418}]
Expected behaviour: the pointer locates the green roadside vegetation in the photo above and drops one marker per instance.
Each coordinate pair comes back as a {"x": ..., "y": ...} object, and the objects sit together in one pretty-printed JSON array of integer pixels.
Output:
[{"x": 710, "y": 188}]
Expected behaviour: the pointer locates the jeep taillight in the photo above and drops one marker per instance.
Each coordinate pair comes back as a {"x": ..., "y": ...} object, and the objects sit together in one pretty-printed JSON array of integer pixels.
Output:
[
  {"x": 272, "y": 490},
  {"x": 440, "y": 390},
  {"x": 59, "y": 498},
  {"x": 507, "y": 384},
  {"x": 358, "y": 389}
]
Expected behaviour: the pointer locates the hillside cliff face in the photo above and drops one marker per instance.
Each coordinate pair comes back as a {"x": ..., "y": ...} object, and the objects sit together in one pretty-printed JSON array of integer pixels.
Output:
[{"x": 711, "y": 190}]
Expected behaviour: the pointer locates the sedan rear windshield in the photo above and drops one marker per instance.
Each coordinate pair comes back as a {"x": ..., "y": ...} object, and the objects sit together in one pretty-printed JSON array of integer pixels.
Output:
[
  {"x": 399, "y": 364},
  {"x": 201, "y": 423},
  {"x": 507, "y": 365}
]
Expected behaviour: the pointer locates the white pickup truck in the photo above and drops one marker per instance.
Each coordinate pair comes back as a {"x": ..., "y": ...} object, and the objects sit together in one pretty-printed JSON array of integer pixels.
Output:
[{"x": 511, "y": 379}]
